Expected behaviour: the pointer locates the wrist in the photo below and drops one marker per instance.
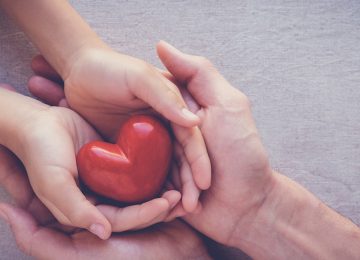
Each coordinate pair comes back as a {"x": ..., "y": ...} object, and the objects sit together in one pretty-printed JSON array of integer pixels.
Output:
[
  {"x": 14, "y": 125},
  {"x": 293, "y": 223},
  {"x": 261, "y": 233},
  {"x": 56, "y": 29},
  {"x": 80, "y": 53}
]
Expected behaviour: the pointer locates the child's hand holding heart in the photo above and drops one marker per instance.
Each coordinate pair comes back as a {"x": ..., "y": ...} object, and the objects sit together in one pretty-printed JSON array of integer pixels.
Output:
[{"x": 46, "y": 139}]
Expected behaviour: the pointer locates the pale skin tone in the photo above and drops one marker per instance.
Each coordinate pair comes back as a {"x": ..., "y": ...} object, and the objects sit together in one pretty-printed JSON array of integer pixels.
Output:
[
  {"x": 249, "y": 206},
  {"x": 267, "y": 215},
  {"x": 48, "y": 154},
  {"x": 38, "y": 234},
  {"x": 106, "y": 87}
]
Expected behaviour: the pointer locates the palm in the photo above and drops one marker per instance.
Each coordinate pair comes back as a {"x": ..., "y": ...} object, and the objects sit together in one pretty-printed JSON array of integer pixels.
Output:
[
  {"x": 241, "y": 171},
  {"x": 174, "y": 240},
  {"x": 57, "y": 143},
  {"x": 145, "y": 244},
  {"x": 103, "y": 97},
  {"x": 235, "y": 181},
  {"x": 54, "y": 136},
  {"x": 107, "y": 87}
]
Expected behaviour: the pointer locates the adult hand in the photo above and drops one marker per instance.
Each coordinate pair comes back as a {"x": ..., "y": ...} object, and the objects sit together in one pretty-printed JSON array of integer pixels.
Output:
[
  {"x": 242, "y": 176},
  {"x": 249, "y": 206}
]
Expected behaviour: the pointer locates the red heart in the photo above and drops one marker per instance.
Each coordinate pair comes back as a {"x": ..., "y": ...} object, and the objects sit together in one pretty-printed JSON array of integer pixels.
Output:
[{"x": 132, "y": 170}]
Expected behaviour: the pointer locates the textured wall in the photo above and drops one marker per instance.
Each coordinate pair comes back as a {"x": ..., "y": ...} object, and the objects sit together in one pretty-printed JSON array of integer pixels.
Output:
[{"x": 298, "y": 61}]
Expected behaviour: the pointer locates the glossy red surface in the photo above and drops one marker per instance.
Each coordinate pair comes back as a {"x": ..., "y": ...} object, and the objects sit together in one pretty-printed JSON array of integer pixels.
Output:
[{"x": 132, "y": 170}]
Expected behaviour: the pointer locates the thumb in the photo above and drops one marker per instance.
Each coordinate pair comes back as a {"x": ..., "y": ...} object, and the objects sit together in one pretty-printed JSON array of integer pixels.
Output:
[
  {"x": 203, "y": 81},
  {"x": 46, "y": 244},
  {"x": 68, "y": 204}
]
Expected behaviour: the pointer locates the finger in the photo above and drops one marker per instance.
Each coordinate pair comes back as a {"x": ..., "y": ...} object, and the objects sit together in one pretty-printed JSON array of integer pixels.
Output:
[
  {"x": 33, "y": 240},
  {"x": 47, "y": 219},
  {"x": 63, "y": 198},
  {"x": 48, "y": 91},
  {"x": 190, "y": 192},
  {"x": 209, "y": 86},
  {"x": 173, "y": 197},
  {"x": 177, "y": 212},
  {"x": 190, "y": 101},
  {"x": 133, "y": 217},
  {"x": 195, "y": 153},
  {"x": 163, "y": 96},
  {"x": 42, "y": 68},
  {"x": 169, "y": 77}
]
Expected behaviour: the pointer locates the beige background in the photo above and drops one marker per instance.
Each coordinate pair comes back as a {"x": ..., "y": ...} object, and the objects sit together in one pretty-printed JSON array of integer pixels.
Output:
[{"x": 298, "y": 61}]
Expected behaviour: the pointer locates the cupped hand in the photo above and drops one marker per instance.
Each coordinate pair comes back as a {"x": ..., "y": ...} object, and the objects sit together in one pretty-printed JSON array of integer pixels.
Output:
[
  {"x": 173, "y": 240},
  {"x": 39, "y": 235},
  {"x": 51, "y": 137},
  {"x": 106, "y": 87},
  {"x": 242, "y": 176}
]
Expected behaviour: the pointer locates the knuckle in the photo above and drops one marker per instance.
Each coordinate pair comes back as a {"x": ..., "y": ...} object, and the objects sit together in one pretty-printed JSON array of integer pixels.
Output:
[
  {"x": 204, "y": 62},
  {"x": 143, "y": 68},
  {"x": 239, "y": 99}
]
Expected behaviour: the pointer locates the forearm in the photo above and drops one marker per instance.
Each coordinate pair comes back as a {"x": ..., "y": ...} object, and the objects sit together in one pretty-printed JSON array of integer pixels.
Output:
[
  {"x": 293, "y": 224},
  {"x": 54, "y": 27},
  {"x": 16, "y": 112}
]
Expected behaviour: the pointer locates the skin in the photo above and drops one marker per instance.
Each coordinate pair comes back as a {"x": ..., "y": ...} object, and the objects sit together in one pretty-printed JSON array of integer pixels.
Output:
[
  {"x": 249, "y": 206},
  {"x": 39, "y": 235},
  {"x": 105, "y": 88},
  {"x": 53, "y": 150},
  {"x": 242, "y": 175}
]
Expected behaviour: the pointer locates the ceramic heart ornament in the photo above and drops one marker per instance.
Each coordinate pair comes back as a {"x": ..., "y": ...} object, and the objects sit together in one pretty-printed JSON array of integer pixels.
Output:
[{"x": 133, "y": 169}]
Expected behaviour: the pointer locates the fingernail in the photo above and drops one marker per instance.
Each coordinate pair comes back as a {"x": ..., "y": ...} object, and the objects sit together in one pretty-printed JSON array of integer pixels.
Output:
[
  {"x": 98, "y": 230},
  {"x": 4, "y": 216},
  {"x": 189, "y": 115}
]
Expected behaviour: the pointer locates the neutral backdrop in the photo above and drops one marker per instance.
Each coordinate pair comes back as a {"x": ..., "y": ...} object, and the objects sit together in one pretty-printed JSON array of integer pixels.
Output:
[{"x": 298, "y": 61}]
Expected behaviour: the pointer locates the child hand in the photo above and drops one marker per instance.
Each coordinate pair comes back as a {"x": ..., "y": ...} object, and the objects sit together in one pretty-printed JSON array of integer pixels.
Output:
[
  {"x": 46, "y": 140},
  {"x": 107, "y": 87}
]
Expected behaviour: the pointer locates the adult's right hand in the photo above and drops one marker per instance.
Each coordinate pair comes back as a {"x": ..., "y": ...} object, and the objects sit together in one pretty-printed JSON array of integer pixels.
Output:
[
  {"x": 249, "y": 206},
  {"x": 242, "y": 176}
]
